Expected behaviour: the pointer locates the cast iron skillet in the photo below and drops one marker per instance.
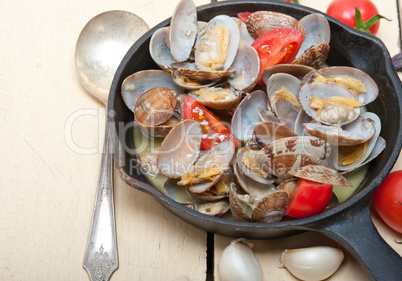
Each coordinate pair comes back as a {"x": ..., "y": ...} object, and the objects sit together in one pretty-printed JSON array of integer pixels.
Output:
[{"x": 348, "y": 224}]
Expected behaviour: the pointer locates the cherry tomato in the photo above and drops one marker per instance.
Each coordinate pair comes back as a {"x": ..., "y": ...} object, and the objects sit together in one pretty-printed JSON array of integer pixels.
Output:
[
  {"x": 344, "y": 10},
  {"x": 213, "y": 129},
  {"x": 243, "y": 16},
  {"x": 277, "y": 46},
  {"x": 388, "y": 200},
  {"x": 308, "y": 199}
]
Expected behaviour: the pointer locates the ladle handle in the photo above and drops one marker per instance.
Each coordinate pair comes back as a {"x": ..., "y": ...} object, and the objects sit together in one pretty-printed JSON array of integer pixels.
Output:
[
  {"x": 101, "y": 259},
  {"x": 356, "y": 232}
]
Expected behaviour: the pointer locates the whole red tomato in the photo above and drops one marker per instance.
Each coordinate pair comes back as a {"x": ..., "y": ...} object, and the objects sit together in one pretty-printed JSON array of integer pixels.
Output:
[
  {"x": 388, "y": 200},
  {"x": 344, "y": 10}
]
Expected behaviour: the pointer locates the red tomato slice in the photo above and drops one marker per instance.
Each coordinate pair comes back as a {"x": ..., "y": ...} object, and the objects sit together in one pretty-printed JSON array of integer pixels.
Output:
[
  {"x": 277, "y": 46},
  {"x": 308, "y": 199},
  {"x": 243, "y": 16},
  {"x": 213, "y": 129}
]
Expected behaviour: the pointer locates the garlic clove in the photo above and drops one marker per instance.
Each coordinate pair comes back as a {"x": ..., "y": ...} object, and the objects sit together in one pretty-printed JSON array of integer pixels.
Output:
[
  {"x": 312, "y": 264},
  {"x": 238, "y": 263}
]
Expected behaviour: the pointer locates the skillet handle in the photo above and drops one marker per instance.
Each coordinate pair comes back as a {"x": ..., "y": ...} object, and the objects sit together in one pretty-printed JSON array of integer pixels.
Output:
[{"x": 355, "y": 231}]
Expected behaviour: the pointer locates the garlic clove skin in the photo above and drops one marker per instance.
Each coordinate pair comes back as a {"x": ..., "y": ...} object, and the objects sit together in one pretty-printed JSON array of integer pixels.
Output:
[
  {"x": 312, "y": 264},
  {"x": 238, "y": 263}
]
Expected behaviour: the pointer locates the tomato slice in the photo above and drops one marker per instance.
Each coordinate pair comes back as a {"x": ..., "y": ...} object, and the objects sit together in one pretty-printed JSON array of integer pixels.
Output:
[
  {"x": 243, "y": 16},
  {"x": 277, "y": 46},
  {"x": 308, "y": 199},
  {"x": 214, "y": 130}
]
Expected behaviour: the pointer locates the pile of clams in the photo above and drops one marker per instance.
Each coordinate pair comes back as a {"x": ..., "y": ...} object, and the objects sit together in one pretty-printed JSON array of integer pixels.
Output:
[{"x": 308, "y": 121}]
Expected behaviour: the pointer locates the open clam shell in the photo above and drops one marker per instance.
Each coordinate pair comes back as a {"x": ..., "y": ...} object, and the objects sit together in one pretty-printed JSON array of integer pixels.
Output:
[
  {"x": 218, "y": 156},
  {"x": 217, "y": 97},
  {"x": 180, "y": 149},
  {"x": 262, "y": 21},
  {"x": 297, "y": 70},
  {"x": 287, "y": 154},
  {"x": 246, "y": 166},
  {"x": 315, "y": 48},
  {"x": 338, "y": 72},
  {"x": 245, "y": 37},
  {"x": 190, "y": 70},
  {"x": 356, "y": 132},
  {"x": 314, "y": 57},
  {"x": 249, "y": 185},
  {"x": 267, "y": 132},
  {"x": 138, "y": 83},
  {"x": 158, "y": 131},
  {"x": 183, "y": 30},
  {"x": 266, "y": 115},
  {"x": 277, "y": 82},
  {"x": 371, "y": 143},
  {"x": 246, "y": 116},
  {"x": 267, "y": 209},
  {"x": 215, "y": 209},
  {"x": 334, "y": 115},
  {"x": 379, "y": 146},
  {"x": 317, "y": 32},
  {"x": 204, "y": 54},
  {"x": 158, "y": 50},
  {"x": 190, "y": 84},
  {"x": 247, "y": 64},
  {"x": 321, "y": 174},
  {"x": 287, "y": 113}
]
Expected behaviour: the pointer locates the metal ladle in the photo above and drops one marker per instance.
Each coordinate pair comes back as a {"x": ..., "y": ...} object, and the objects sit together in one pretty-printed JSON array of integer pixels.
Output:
[{"x": 101, "y": 46}]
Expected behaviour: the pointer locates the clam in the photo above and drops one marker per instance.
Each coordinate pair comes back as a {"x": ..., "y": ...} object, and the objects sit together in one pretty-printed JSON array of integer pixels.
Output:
[
  {"x": 321, "y": 174},
  {"x": 290, "y": 153},
  {"x": 191, "y": 71},
  {"x": 180, "y": 149},
  {"x": 183, "y": 30},
  {"x": 247, "y": 64},
  {"x": 262, "y": 21},
  {"x": 330, "y": 111},
  {"x": 217, "y": 97},
  {"x": 315, "y": 48},
  {"x": 215, "y": 209},
  {"x": 158, "y": 131},
  {"x": 138, "y": 83},
  {"x": 245, "y": 37},
  {"x": 188, "y": 83},
  {"x": 155, "y": 106},
  {"x": 358, "y": 83},
  {"x": 268, "y": 131},
  {"x": 250, "y": 208},
  {"x": 245, "y": 165},
  {"x": 217, "y": 44},
  {"x": 348, "y": 158},
  {"x": 357, "y": 132},
  {"x": 148, "y": 163},
  {"x": 159, "y": 51},
  {"x": 209, "y": 168},
  {"x": 246, "y": 115},
  {"x": 283, "y": 91},
  {"x": 266, "y": 115}
]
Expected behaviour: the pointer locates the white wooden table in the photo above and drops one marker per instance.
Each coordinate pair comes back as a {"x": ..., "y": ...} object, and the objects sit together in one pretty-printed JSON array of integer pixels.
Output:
[{"x": 47, "y": 189}]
